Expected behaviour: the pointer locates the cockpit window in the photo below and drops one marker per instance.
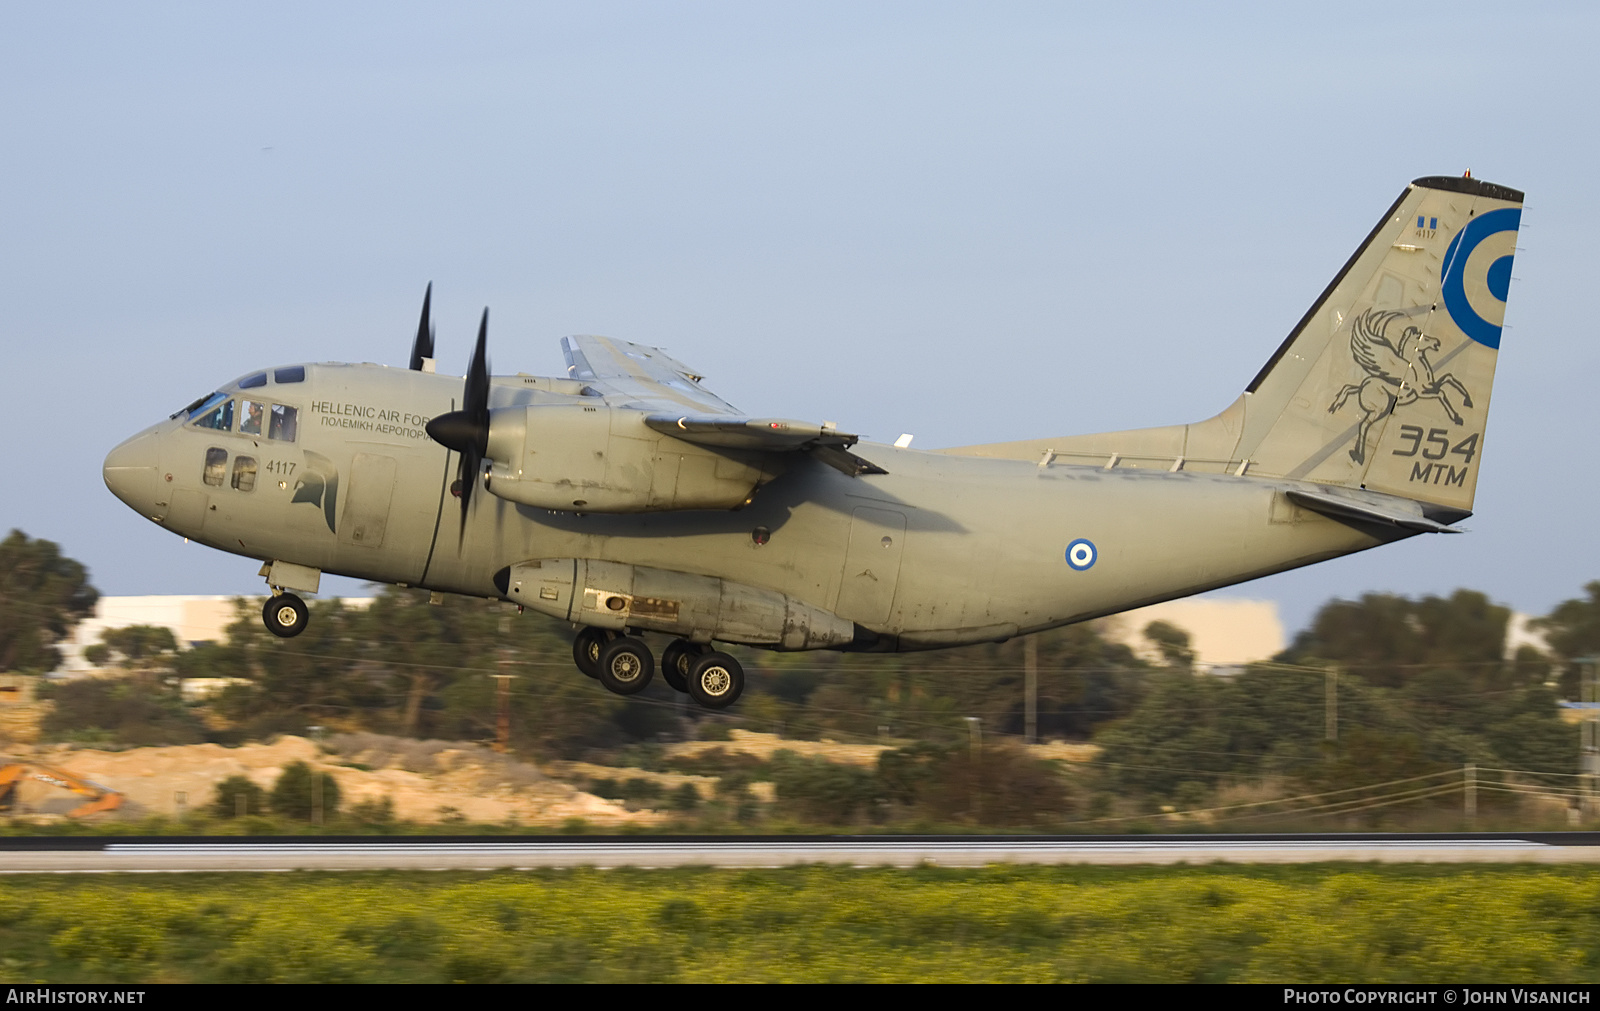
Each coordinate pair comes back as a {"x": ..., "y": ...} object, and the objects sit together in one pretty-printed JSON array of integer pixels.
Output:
[
  {"x": 292, "y": 374},
  {"x": 209, "y": 400},
  {"x": 250, "y": 412},
  {"x": 219, "y": 418},
  {"x": 251, "y": 382},
  {"x": 283, "y": 424}
]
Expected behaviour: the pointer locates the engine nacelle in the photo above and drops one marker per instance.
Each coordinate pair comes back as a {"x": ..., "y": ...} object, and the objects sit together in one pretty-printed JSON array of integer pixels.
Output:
[
  {"x": 699, "y": 608},
  {"x": 599, "y": 459}
]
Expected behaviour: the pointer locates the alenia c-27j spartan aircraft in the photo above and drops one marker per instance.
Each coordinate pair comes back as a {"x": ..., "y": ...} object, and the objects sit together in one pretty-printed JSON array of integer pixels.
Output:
[{"x": 626, "y": 498}]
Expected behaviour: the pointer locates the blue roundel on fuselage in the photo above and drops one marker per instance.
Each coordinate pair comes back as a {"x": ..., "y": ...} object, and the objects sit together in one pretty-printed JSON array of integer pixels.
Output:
[
  {"x": 1456, "y": 260},
  {"x": 1081, "y": 554}
]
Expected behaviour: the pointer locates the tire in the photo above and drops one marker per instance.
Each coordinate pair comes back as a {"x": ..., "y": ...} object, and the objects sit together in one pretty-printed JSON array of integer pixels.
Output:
[
  {"x": 677, "y": 661},
  {"x": 716, "y": 681},
  {"x": 586, "y": 650},
  {"x": 285, "y": 615},
  {"x": 626, "y": 666}
]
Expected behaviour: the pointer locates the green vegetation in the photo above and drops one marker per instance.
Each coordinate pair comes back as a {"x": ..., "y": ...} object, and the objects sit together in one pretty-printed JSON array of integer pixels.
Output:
[
  {"x": 812, "y": 924},
  {"x": 303, "y": 795},
  {"x": 238, "y": 797},
  {"x": 1387, "y": 694},
  {"x": 42, "y": 595}
]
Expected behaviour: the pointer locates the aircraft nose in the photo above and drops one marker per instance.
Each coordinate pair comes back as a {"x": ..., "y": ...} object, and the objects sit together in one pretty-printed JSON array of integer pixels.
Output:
[{"x": 130, "y": 472}]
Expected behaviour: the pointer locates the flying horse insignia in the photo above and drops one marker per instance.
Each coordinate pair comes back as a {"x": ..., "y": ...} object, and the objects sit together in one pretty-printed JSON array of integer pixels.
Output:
[{"x": 1398, "y": 374}]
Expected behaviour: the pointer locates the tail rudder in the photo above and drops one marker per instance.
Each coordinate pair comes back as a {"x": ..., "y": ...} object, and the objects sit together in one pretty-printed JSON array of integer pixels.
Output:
[{"x": 1385, "y": 382}]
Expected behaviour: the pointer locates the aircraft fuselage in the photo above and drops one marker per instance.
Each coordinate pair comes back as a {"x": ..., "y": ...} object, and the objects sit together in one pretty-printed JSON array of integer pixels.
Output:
[{"x": 941, "y": 550}]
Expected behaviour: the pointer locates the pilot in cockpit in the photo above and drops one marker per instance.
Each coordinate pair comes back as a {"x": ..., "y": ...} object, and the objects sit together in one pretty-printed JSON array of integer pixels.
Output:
[{"x": 251, "y": 424}]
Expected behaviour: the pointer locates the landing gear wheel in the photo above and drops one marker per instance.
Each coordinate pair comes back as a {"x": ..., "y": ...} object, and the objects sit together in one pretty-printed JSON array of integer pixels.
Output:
[
  {"x": 677, "y": 661},
  {"x": 716, "y": 680},
  {"x": 285, "y": 615},
  {"x": 586, "y": 649},
  {"x": 626, "y": 666}
]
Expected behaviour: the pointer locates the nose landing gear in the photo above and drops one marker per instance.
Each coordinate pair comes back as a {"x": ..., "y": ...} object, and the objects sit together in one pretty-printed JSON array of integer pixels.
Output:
[{"x": 285, "y": 615}]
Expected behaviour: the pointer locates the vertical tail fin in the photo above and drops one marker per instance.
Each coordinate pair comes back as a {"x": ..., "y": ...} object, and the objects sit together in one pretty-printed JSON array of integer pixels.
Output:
[{"x": 1385, "y": 381}]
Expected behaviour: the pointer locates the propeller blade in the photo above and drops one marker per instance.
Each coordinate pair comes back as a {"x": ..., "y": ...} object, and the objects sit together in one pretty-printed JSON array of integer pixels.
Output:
[
  {"x": 476, "y": 401},
  {"x": 467, "y": 431},
  {"x": 475, "y": 405},
  {"x": 422, "y": 347}
]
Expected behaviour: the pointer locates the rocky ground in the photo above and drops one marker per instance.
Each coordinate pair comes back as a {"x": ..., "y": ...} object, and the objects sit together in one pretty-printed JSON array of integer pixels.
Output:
[{"x": 424, "y": 781}]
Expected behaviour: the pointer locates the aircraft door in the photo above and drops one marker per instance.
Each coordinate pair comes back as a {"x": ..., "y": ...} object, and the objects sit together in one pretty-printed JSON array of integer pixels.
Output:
[
  {"x": 366, "y": 511},
  {"x": 871, "y": 565}
]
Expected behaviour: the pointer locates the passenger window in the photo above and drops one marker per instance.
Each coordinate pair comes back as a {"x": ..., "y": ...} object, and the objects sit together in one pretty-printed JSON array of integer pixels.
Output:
[
  {"x": 244, "y": 473},
  {"x": 219, "y": 418},
  {"x": 216, "y": 463},
  {"x": 283, "y": 423},
  {"x": 251, "y": 382},
  {"x": 250, "y": 412},
  {"x": 292, "y": 374}
]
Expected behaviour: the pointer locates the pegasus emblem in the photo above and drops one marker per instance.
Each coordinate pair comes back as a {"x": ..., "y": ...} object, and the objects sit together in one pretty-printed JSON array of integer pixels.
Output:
[
  {"x": 1398, "y": 374},
  {"x": 319, "y": 485}
]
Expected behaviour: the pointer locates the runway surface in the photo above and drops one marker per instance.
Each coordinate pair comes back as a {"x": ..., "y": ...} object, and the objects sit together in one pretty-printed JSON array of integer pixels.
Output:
[{"x": 331, "y": 853}]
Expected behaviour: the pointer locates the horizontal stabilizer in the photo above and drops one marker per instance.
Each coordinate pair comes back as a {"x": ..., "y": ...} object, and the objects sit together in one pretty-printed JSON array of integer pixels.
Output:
[{"x": 1384, "y": 510}]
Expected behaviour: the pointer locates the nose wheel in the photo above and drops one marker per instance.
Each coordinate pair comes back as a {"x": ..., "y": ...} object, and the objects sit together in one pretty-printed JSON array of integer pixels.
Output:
[{"x": 285, "y": 615}]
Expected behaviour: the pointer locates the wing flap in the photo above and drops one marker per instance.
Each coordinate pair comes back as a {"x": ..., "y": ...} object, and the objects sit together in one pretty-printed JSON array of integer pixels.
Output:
[
  {"x": 768, "y": 435},
  {"x": 778, "y": 435},
  {"x": 644, "y": 376}
]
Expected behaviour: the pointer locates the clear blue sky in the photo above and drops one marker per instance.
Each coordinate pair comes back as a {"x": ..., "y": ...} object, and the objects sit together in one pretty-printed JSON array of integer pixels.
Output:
[{"x": 972, "y": 222}]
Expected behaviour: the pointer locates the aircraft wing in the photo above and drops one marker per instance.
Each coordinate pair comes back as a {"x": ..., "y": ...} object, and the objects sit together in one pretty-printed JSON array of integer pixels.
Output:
[
  {"x": 678, "y": 406},
  {"x": 648, "y": 377}
]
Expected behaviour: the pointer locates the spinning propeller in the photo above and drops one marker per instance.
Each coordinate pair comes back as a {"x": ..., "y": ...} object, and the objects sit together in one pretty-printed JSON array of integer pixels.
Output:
[{"x": 467, "y": 431}]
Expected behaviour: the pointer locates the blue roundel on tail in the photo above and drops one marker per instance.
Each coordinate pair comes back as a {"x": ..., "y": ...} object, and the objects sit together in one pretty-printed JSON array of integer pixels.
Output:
[{"x": 1498, "y": 281}]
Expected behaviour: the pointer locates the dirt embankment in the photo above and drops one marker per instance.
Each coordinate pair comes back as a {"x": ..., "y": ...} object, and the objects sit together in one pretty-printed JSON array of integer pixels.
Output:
[{"x": 426, "y": 781}]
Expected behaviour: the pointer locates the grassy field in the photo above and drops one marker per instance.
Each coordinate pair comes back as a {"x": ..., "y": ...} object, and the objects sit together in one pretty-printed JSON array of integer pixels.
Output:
[{"x": 818, "y": 924}]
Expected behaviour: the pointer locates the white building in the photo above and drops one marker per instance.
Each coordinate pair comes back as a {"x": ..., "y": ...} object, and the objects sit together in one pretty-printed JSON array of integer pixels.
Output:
[{"x": 193, "y": 621}]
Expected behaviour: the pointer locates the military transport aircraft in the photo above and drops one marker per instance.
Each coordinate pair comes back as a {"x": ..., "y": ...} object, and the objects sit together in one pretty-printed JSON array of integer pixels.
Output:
[{"x": 626, "y": 498}]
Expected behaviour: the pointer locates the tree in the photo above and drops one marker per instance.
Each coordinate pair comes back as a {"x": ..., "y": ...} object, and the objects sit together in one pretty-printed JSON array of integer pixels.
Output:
[
  {"x": 124, "y": 712},
  {"x": 1573, "y": 630},
  {"x": 1384, "y": 638},
  {"x": 136, "y": 647},
  {"x": 237, "y": 796},
  {"x": 42, "y": 595},
  {"x": 303, "y": 794},
  {"x": 1172, "y": 641}
]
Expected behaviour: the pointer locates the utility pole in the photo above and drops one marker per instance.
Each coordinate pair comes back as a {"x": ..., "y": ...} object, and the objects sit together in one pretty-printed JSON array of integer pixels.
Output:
[
  {"x": 977, "y": 757},
  {"x": 1030, "y": 677},
  {"x": 1470, "y": 799},
  {"x": 1589, "y": 746},
  {"x": 1330, "y": 705},
  {"x": 502, "y": 693}
]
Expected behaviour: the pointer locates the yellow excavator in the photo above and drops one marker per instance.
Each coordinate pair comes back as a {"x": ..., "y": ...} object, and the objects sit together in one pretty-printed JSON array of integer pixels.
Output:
[{"x": 101, "y": 798}]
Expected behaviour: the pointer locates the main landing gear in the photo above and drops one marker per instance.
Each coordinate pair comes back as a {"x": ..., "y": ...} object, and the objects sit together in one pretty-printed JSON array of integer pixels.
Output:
[
  {"x": 625, "y": 665},
  {"x": 285, "y": 615}
]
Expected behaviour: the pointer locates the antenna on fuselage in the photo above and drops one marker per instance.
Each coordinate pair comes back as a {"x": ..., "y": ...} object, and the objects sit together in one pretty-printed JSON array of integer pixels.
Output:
[{"x": 422, "y": 347}]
